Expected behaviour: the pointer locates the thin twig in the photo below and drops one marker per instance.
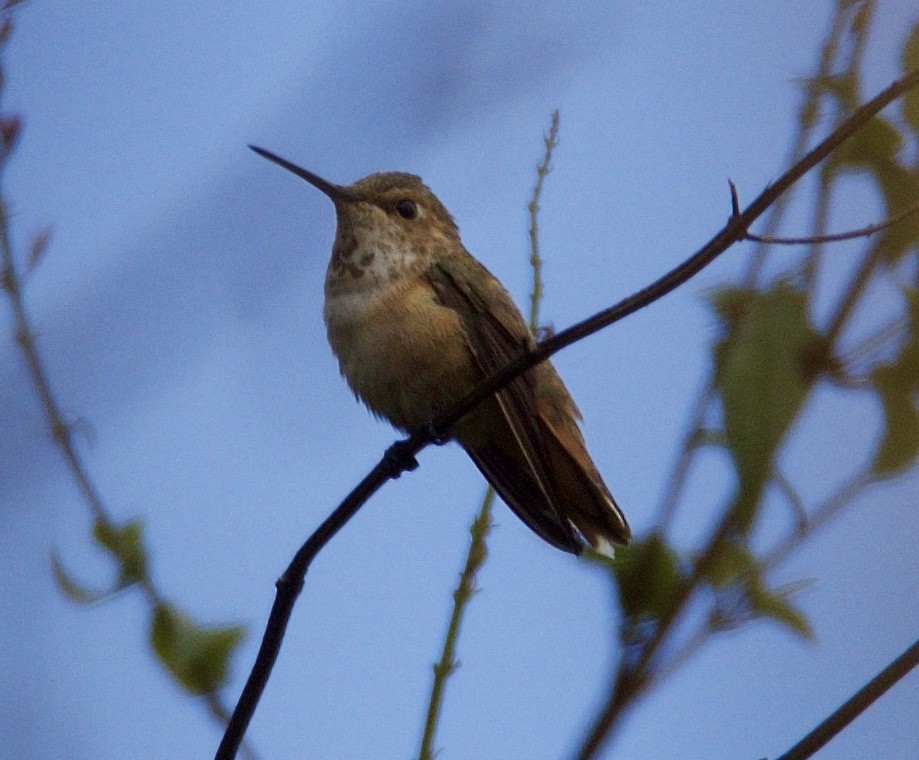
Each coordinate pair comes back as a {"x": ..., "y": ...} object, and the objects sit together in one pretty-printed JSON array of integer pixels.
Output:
[
  {"x": 821, "y": 218},
  {"x": 859, "y": 27},
  {"x": 851, "y": 295},
  {"x": 60, "y": 430},
  {"x": 870, "y": 344},
  {"x": 542, "y": 170},
  {"x": 860, "y": 23},
  {"x": 808, "y": 118},
  {"x": 839, "y": 236},
  {"x": 793, "y": 497},
  {"x": 62, "y": 433},
  {"x": 855, "y": 706},
  {"x": 400, "y": 457},
  {"x": 678, "y": 476},
  {"x": 630, "y": 681},
  {"x": 819, "y": 517},
  {"x": 481, "y": 526},
  {"x": 461, "y": 596}
]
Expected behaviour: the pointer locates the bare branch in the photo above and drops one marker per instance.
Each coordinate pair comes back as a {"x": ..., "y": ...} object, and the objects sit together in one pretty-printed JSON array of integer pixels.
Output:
[
  {"x": 475, "y": 558},
  {"x": 400, "y": 456},
  {"x": 542, "y": 170},
  {"x": 871, "y": 229},
  {"x": 855, "y": 706}
]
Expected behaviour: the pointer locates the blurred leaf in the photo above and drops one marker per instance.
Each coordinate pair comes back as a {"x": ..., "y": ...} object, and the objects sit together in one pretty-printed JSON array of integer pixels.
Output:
[
  {"x": 125, "y": 544},
  {"x": 897, "y": 384},
  {"x": 648, "y": 577},
  {"x": 910, "y": 101},
  {"x": 900, "y": 443},
  {"x": 764, "y": 367},
  {"x": 730, "y": 305},
  {"x": 736, "y": 575},
  {"x": 74, "y": 590},
  {"x": 775, "y": 606},
  {"x": 197, "y": 657},
  {"x": 731, "y": 563},
  {"x": 843, "y": 86},
  {"x": 875, "y": 149},
  {"x": 900, "y": 187},
  {"x": 872, "y": 148}
]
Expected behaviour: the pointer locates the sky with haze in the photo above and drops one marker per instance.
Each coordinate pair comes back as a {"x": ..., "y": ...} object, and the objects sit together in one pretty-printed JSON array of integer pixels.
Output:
[{"x": 179, "y": 310}]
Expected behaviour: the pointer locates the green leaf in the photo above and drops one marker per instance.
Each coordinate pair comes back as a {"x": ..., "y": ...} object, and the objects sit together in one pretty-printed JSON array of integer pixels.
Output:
[
  {"x": 125, "y": 544},
  {"x": 764, "y": 368},
  {"x": 775, "y": 606},
  {"x": 908, "y": 362},
  {"x": 897, "y": 384},
  {"x": 871, "y": 148},
  {"x": 736, "y": 575},
  {"x": 730, "y": 305},
  {"x": 842, "y": 86},
  {"x": 900, "y": 188},
  {"x": 196, "y": 656},
  {"x": 910, "y": 101},
  {"x": 899, "y": 445},
  {"x": 730, "y": 564},
  {"x": 647, "y": 576},
  {"x": 74, "y": 590}
]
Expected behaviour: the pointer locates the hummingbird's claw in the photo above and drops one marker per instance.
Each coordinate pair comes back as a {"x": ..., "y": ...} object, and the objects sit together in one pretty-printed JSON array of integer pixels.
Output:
[{"x": 398, "y": 458}]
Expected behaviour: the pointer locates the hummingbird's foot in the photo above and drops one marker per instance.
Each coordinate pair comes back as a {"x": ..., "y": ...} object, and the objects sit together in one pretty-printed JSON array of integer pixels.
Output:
[{"x": 399, "y": 458}]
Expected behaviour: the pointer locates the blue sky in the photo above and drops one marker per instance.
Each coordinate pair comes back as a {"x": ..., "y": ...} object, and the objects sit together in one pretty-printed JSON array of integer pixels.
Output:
[{"x": 179, "y": 311}]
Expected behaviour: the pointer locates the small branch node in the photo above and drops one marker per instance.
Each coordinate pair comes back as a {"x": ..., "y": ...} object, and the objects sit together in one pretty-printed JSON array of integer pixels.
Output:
[{"x": 735, "y": 202}]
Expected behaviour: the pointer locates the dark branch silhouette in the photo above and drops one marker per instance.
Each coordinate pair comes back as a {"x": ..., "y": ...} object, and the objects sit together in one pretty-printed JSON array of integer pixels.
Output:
[
  {"x": 400, "y": 457},
  {"x": 836, "y": 237},
  {"x": 854, "y": 706}
]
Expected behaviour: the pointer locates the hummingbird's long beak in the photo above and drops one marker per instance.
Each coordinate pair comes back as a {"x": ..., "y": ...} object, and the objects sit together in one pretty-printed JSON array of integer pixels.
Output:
[{"x": 335, "y": 192}]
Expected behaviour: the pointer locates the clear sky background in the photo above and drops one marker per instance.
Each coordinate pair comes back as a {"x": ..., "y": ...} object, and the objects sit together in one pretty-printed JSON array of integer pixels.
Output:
[{"x": 179, "y": 311}]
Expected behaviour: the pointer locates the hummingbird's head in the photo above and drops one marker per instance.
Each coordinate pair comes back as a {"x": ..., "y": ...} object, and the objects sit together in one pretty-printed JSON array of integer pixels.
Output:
[
  {"x": 401, "y": 199},
  {"x": 387, "y": 222}
]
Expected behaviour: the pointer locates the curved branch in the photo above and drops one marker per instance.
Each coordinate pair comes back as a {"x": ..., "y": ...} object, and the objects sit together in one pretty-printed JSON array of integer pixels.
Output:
[
  {"x": 839, "y": 236},
  {"x": 400, "y": 456}
]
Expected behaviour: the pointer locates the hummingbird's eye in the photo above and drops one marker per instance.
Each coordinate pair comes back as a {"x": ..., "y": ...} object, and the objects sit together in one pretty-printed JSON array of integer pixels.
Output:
[{"x": 406, "y": 209}]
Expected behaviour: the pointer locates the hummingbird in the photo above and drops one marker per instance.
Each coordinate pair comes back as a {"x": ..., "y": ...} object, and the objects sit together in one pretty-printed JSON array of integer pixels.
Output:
[{"x": 416, "y": 322}]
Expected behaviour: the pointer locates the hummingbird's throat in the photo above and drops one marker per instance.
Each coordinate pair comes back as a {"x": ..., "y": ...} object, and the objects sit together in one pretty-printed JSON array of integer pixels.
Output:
[{"x": 370, "y": 259}]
